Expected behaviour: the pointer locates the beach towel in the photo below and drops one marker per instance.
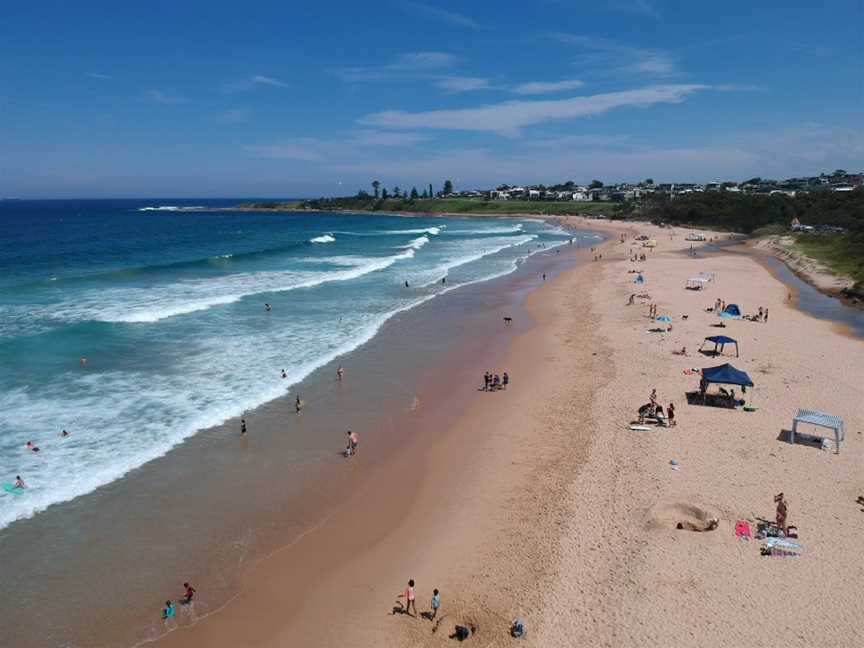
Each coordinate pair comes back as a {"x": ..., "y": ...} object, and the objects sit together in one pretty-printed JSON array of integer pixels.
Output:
[{"x": 742, "y": 530}]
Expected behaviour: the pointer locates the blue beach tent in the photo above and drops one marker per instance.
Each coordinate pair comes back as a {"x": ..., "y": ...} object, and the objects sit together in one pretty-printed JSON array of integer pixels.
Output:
[
  {"x": 720, "y": 341},
  {"x": 732, "y": 310},
  {"x": 726, "y": 374}
]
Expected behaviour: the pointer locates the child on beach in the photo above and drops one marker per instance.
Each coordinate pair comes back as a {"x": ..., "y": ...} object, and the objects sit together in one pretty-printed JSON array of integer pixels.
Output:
[
  {"x": 353, "y": 442},
  {"x": 670, "y": 414},
  {"x": 436, "y": 603},
  {"x": 169, "y": 611},
  {"x": 188, "y": 594},
  {"x": 409, "y": 598}
]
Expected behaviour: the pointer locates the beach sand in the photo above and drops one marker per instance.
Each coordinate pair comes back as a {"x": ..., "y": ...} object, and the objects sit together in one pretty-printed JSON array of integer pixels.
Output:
[{"x": 540, "y": 502}]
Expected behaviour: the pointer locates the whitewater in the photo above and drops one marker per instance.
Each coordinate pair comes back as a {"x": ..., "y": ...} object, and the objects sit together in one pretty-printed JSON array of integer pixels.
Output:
[{"x": 156, "y": 330}]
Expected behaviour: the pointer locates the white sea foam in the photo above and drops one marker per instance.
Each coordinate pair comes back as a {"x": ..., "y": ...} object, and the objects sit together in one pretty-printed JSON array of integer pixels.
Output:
[
  {"x": 324, "y": 238},
  {"x": 417, "y": 243},
  {"x": 506, "y": 229},
  {"x": 172, "y": 208}
]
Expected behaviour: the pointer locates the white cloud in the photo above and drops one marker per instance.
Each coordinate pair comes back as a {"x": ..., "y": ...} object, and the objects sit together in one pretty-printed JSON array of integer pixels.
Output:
[
  {"x": 509, "y": 117},
  {"x": 99, "y": 76},
  {"x": 607, "y": 56},
  {"x": 406, "y": 66},
  {"x": 314, "y": 149},
  {"x": 454, "y": 84},
  {"x": 160, "y": 97},
  {"x": 428, "y": 11},
  {"x": 546, "y": 87},
  {"x": 260, "y": 79}
]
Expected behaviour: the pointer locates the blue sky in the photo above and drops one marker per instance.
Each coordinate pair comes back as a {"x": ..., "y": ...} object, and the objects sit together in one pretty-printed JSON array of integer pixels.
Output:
[{"x": 304, "y": 99}]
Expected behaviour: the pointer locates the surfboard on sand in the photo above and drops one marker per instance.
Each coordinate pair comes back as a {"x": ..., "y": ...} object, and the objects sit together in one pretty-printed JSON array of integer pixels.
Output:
[
  {"x": 640, "y": 428},
  {"x": 10, "y": 488}
]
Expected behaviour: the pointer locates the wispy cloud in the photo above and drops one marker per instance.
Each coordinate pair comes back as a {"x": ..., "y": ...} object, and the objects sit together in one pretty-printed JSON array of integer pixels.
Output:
[
  {"x": 510, "y": 117},
  {"x": 260, "y": 79},
  {"x": 407, "y": 65},
  {"x": 547, "y": 87},
  {"x": 312, "y": 149},
  {"x": 429, "y": 11},
  {"x": 99, "y": 76},
  {"x": 455, "y": 84},
  {"x": 235, "y": 115},
  {"x": 160, "y": 97},
  {"x": 607, "y": 56}
]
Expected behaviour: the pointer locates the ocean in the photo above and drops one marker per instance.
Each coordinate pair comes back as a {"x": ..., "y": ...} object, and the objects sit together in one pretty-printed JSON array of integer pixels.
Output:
[{"x": 135, "y": 324}]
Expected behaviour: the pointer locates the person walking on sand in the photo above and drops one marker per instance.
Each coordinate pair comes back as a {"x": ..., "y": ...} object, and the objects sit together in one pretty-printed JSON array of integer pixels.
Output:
[
  {"x": 486, "y": 380},
  {"x": 670, "y": 415},
  {"x": 353, "y": 443},
  {"x": 340, "y": 373},
  {"x": 766, "y": 315},
  {"x": 409, "y": 598},
  {"x": 298, "y": 404},
  {"x": 436, "y": 603},
  {"x": 242, "y": 427},
  {"x": 188, "y": 594}
]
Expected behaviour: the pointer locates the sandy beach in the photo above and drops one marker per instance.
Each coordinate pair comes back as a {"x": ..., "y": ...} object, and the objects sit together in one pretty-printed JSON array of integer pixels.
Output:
[{"x": 540, "y": 502}]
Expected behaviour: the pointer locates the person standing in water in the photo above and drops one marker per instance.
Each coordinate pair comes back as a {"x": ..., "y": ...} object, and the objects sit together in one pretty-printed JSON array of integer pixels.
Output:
[
  {"x": 353, "y": 443},
  {"x": 298, "y": 405},
  {"x": 340, "y": 373},
  {"x": 168, "y": 612},
  {"x": 188, "y": 594},
  {"x": 242, "y": 427},
  {"x": 267, "y": 307},
  {"x": 19, "y": 483}
]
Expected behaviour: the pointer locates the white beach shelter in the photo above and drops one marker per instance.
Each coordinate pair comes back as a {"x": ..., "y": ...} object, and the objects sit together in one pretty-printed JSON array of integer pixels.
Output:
[
  {"x": 815, "y": 417},
  {"x": 697, "y": 283}
]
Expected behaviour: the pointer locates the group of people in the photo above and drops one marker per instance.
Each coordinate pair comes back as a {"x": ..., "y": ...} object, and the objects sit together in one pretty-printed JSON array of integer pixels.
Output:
[
  {"x": 170, "y": 610},
  {"x": 655, "y": 410},
  {"x": 494, "y": 382},
  {"x": 30, "y": 446},
  {"x": 410, "y": 596}
]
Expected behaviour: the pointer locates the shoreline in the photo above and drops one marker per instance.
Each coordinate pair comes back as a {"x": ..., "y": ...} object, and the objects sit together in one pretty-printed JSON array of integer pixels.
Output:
[{"x": 198, "y": 469}]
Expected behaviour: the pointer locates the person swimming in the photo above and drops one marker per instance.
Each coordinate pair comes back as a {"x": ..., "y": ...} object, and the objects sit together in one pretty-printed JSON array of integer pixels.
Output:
[
  {"x": 32, "y": 447},
  {"x": 64, "y": 434},
  {"x": 284, "y": 375},
  {"x": 267, "y": 307},
  {"x": 19, "y": 483}
]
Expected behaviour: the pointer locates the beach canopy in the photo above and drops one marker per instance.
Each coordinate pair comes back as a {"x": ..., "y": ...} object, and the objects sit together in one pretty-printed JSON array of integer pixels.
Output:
[
  {"x": 726, "y": 374},
  {"x": 710, "y": 276},
  {"x": 721, "y": 341},
  {"x": 639, "y": 280},
  {"x": 664, "y": 318},
  {"x": 815, "y": 417},
  {"x": 732, "y": 310},
  {"x": 697, "y": 283}
]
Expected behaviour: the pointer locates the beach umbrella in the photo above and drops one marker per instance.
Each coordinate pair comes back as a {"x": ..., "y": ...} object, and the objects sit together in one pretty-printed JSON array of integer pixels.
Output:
[{"x": 664, "y": 318}]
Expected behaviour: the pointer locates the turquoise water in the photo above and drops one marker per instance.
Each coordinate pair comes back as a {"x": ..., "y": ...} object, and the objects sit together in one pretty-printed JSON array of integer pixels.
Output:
[{"x": 167, "y": 307}]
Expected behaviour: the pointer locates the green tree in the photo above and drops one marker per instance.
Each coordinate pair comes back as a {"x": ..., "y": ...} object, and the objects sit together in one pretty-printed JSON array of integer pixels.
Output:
[
  {"x": 595, "y": 184},
  {"x": 649, "y": 181},
  {"x": 431, "y": 191},
  {"x": 425, "y": 194},
  {"x": 448, "y": 187},
  {"x": 375, "y": 185},
  {"x": 396, "y": 191},
  {"x": 384, "y": 193},
  {"x": 414, "y": 194}
]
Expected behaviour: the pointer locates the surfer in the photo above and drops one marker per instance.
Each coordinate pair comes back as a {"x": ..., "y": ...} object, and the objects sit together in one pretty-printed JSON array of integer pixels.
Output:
[
  {"x": 19, "y": 483},
  {"x": 187, "y": 596},
  {"x": 83, "y": 362},
  {"x": 32, "y": 447},
  {"x": 298, "y": 405},
  {"x": 406, "y": 283},
  {"x": 64, "y": 434},
  {"x": 340, "y": 373},
  {"x": 242, "y": 426},
  {"x": 267, "y": 307}
]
